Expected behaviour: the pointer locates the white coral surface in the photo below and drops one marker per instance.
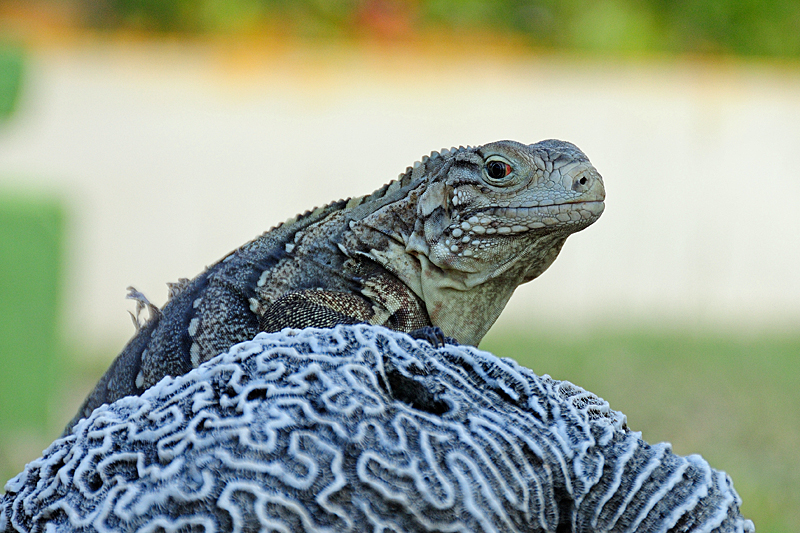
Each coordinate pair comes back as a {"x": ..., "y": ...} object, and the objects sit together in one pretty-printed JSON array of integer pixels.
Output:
[{"x": 361, "y": 428}]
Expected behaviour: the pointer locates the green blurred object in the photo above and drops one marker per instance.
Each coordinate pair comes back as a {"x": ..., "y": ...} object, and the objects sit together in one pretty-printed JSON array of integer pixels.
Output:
[
  {"x": 11, "y": 65},
  {"x": 31, "y": 260},
  {"x": 743, "y": 27}
]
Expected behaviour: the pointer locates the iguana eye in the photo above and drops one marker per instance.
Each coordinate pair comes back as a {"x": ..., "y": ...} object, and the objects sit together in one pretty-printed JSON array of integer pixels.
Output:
[{"x": 497, "y": 170}]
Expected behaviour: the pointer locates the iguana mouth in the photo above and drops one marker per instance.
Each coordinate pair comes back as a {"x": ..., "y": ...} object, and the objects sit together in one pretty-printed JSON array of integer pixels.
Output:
[
  {"x": 587, "y": 202},
  {"x": 513, "y": 220},
  {"x": 489, "y": 215}
]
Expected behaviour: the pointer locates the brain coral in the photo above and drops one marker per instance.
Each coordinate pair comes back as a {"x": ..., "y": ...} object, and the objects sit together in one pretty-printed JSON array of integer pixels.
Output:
[{"x": 361, "y": 428}]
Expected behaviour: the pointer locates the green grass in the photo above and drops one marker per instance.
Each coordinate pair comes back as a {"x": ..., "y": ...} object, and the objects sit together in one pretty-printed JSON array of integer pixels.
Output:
[{"x": 733, "y": 400}]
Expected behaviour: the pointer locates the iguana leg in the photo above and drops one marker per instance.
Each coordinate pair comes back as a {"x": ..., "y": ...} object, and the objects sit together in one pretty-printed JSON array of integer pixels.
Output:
[
  {"x": 433, "y": 335},
  {"x": 317, "y": 308},
  {"x": 325, "y": 309}
]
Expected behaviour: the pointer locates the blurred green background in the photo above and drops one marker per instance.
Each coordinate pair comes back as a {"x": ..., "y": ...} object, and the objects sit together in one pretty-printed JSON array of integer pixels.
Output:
[
  {"x": 752, "y": 27},
  {"x": 736, "y": 397}
]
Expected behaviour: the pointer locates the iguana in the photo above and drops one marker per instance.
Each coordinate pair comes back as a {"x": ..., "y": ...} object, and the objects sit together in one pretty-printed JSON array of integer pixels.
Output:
[{"x": 444, "y": 245}]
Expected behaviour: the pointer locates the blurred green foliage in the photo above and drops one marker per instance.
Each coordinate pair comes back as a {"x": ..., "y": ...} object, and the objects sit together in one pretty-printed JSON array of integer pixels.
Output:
[
  {"x": 731, "y": 399},
  {"x": 746, "y": 27}
]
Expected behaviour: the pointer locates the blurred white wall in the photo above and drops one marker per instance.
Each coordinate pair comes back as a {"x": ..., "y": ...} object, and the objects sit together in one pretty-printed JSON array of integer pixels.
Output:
[{"x": 172, "y": 155}]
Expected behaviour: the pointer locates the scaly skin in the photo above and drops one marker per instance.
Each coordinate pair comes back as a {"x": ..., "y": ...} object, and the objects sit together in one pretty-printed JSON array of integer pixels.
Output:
[{"x": 445, "y": 245}]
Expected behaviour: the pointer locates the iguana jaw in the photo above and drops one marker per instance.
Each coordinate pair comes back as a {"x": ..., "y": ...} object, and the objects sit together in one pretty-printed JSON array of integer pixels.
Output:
[{"x": 483, "y": 241}]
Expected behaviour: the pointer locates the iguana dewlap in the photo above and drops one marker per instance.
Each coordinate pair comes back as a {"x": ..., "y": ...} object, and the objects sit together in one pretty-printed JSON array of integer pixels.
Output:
[{"x": 443, "y": 245}]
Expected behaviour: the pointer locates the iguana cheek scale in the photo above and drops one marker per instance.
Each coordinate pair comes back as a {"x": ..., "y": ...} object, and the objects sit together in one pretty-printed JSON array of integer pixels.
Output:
[{"x": 445, "y": 244}]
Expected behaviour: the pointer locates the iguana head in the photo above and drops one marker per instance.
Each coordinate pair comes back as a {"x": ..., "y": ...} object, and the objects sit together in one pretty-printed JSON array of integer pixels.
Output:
[
  {"x": 489, "y": 208},
  {"x": 469, "y": 225}
]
